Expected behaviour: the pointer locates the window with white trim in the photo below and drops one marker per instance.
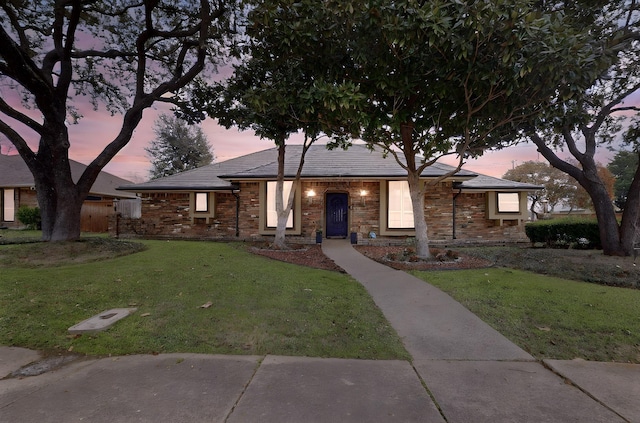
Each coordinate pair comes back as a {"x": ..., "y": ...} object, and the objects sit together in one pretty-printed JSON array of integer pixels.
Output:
[
  {"x": 272, "y": 215},
  {"x": 399, "y": 208},
  {"x": 508, "y": 202},
  {"x": 202, "y": 206},
  {"x": 8, "y": 205},
  {"x": 202, "y": 202}
]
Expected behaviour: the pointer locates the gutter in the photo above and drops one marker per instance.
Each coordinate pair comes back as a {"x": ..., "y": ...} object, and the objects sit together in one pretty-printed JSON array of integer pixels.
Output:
[
  {"x": 235, "y": 194},
  {"x": 453, "y": 206}
]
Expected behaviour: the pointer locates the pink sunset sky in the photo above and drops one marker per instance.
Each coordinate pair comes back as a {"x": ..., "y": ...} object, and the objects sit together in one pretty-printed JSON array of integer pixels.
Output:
[{"x": 97, "y": 128}]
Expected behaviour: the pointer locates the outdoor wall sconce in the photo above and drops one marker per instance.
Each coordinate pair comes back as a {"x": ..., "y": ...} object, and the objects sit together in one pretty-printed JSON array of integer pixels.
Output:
[
  {"x": 363, "y": 194},
  {"x": 310, "y": 194}
]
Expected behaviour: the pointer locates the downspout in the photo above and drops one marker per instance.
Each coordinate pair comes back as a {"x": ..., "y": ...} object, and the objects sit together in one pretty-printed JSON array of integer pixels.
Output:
[
  {"x": 235, "y": 194},
  {"x": 115, "y": 209},
  {"x": 453, "y": 206}
]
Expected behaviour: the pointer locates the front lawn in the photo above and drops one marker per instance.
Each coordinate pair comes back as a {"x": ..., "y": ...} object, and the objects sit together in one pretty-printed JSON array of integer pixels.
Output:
[
  {"x": 550, "y": 317},
  {"x": 258, "y": 306}
]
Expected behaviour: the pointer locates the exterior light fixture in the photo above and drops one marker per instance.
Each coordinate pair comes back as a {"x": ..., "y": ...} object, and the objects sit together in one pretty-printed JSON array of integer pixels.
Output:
[
  {"x": 363, "y": 194},
  {"x": 311, "y": 193}
]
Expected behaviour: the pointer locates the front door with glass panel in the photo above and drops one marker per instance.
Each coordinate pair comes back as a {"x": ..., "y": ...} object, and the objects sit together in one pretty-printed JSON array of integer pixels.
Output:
[{"x": 337, "y": 215}]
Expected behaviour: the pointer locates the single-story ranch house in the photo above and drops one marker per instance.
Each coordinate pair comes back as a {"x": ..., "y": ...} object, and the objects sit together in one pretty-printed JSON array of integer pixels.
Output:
[
  {"x": 17, "y": 189},
  {"x": 357, "y": 194}
]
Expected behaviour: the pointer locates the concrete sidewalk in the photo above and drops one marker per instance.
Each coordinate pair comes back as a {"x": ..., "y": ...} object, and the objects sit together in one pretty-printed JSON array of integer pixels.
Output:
[
  {"x": 210, "y": 388},
  {"x": 462, "y": 371},
  {"x": 207, "y": 388},
  {"x": 477, "y": 375}
]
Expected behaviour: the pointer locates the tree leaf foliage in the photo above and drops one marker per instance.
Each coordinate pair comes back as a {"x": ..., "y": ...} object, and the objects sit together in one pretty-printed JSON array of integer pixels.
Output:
[
  {"x": 124, "y": 55},
  {"x": 593, "y": 117},
  {"x": 423, "y": 80},
  {"x": 177, "y": 147}
]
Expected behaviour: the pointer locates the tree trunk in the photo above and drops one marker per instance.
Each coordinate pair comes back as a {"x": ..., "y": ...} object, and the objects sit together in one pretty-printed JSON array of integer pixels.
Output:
[
  {"x": 62, "y": 222},
  {"x": 587, "y": 177},
  {"x": 607, "y": 221},
  {"x": 283, "y": 210},
  {"x": 416, "y": 191},
  {"x": 59, "y": 201},
  {"x": 603, "y": 206},
  {"x": 279, "y": 241},
  {"x": 281, "y": 227},
  {"x": 629, "y": 233}
]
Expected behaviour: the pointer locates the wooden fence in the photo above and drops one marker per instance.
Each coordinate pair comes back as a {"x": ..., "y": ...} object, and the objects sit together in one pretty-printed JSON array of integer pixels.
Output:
[{"x": 94, "y": 216}]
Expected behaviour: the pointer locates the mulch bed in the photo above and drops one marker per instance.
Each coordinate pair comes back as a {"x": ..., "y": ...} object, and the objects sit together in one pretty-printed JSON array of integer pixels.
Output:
[
  {"x": 304, "y": 255},
  {"x": 380, "y": 254},
  {"x": 312, "y": 256}
]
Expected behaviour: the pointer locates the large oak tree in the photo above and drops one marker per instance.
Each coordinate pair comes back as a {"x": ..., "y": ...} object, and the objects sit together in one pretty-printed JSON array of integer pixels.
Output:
[
  {"x": 122, "y": 54},
  {"x": 588, "y": 121}
]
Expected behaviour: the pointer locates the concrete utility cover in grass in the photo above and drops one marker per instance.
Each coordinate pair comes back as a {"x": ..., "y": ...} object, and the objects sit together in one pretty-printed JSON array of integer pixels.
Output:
[{"x": 102, "y": 321}]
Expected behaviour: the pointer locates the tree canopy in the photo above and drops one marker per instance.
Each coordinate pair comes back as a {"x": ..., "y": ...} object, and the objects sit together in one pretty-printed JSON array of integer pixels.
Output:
[
  {"x": 557, "y": 185},
  {"x": 273, "y": 92},
  {"x": 425, "y": 80},
  {"x": 591, "y": 119},
  {"x": 177, "y": 147},
  {"x": 123, "y": 55}
]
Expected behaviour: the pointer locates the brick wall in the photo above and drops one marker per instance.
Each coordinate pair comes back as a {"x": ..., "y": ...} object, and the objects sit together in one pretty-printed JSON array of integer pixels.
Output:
[
  {"x": 472, "y": 224},
  {"x": 23, "y": 197},
  {"x": 167, "y": 215}
]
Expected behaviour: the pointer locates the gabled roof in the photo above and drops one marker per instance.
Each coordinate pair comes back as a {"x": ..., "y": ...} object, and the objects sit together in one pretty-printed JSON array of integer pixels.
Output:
[
  {"x": 484, "y": 182},
  {"x": 320, "y": 163},
  {"x": 205, "y": 178},
  {"x": 356, "y": 162},
  {"x": 14, "y": 173}
]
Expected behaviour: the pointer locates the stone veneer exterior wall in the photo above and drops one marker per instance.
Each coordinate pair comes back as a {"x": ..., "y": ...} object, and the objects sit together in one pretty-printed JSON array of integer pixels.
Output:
[{"x": 166, "y": 215}]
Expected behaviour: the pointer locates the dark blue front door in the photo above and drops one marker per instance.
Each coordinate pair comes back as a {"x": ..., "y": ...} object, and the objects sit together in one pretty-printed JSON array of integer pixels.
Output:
[{"x": 337, "y": 215}]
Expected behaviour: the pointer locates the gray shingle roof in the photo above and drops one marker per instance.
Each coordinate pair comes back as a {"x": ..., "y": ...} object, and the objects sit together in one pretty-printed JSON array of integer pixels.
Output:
[
  {"x": 204, "y": 178},
  {"x": 484, "y": 182},
  {"x": 14, "y": 173},
  {"x": 356, "y": 162}
]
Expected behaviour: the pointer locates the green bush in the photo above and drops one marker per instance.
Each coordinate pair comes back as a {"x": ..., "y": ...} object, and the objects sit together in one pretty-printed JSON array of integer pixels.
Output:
[
  {"x": 565, "y": 233},
  {"x": 29, "y": 216}
]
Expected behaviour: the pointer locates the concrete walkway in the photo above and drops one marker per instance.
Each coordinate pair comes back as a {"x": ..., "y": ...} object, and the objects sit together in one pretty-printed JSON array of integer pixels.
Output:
[
  {"x": 477, "y": 375},
  {"x": 462, "y": 371}
]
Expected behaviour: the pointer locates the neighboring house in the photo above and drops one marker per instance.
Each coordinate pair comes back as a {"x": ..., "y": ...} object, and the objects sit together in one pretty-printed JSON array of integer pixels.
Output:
[
  {"x": 17, "y": 189},
  {"x": 355, "y": 193}
]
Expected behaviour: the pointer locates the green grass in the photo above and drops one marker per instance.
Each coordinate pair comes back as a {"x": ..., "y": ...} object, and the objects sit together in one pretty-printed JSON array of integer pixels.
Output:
[
  {"x": 550, "y": 317},
  {"x": 259, "y": 306},
  {"x": 10, "y": 236}
]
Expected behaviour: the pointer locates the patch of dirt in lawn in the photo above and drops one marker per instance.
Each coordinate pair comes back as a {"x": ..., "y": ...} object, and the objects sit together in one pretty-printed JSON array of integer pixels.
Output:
[{"x": 50, "y": 254}]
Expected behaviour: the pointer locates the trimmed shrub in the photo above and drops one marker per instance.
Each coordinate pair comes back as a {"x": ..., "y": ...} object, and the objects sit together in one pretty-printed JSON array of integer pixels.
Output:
[
  {"x": 565, "y": 233},
  {"x": 29, "y": 216}
]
